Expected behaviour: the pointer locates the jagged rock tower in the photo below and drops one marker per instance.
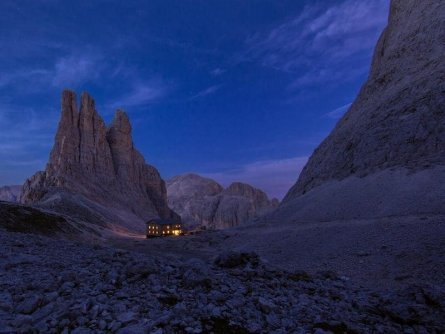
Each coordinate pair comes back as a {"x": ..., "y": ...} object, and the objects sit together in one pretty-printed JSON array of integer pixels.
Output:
[
  {"x": 386, "y": 155},
  {"x": 95, "y": 173}
]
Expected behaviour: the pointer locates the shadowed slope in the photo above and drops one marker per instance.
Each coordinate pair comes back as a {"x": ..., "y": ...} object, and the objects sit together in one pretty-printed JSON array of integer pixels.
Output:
[{"x": 386, "y": 156}]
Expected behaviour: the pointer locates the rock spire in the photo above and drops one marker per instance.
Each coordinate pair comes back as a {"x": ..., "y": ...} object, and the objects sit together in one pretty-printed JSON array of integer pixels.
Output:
[{"x": 100, "y": 165}]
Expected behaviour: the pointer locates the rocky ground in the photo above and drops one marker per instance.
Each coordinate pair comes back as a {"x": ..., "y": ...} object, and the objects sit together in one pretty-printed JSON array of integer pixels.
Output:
[
  {"x": 386, "y": 253},
  {"x": 52, "y": 286}
]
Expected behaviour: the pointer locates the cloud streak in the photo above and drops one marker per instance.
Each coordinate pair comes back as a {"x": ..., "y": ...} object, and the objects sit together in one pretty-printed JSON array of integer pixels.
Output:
[
  {"x": 339, "y": 112},
  {"x": 73, "y": 70},
  {"x": 217, "y": 71},
  {"x": 275, "y": 177},
  {"x": 208, "y": 91},
  {"x": 68, "y": 71},
  {"x": 318, "y": 42},
  {"x": 25, "y": 139},
  {"x": 142, "y": 94}
]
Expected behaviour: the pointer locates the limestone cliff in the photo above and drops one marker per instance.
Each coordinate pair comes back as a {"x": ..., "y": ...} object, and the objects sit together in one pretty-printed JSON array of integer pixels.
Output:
[
  {"x": 97, "y": 169},
  {"x": 393, "y": 134}
]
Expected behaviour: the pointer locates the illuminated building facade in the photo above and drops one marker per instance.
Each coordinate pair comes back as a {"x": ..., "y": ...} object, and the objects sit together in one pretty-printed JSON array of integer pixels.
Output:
[{"x": 163, "y": 228}]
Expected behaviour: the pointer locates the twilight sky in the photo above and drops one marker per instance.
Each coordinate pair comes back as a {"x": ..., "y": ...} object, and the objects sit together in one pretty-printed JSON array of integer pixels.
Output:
[{"x": 234, "y": 90}]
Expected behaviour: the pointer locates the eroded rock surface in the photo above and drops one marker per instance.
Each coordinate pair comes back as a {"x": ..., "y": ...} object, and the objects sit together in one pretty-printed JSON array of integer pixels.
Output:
[
  {"x": 203, "y": 202},
  {"x": 95, "y": 169},
  {"x": 396, "y": 124}
]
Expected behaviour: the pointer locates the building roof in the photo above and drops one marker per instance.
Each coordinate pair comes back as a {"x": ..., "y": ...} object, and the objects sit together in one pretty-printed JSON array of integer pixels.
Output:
[{"x": 160, "y": 221}]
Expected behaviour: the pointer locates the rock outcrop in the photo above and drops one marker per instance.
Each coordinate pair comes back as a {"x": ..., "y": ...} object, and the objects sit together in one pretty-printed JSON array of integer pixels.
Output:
[
  {"x": 386, "y": 156},
  {"x": 95, "y": 172},
  {"x": 202, "y": 202},
  {"x": 10, "y": 193}
]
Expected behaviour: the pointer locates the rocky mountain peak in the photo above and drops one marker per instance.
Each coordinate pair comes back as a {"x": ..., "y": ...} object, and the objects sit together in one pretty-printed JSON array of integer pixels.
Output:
[
  {"x": 87, "y": 106},
  {"x": 99, "y": 164},
  {"x": 121, "y": 123},
  {"x": 192, "y": 185},
  {"x": 119, "y": 133},
  {"x": 246, "y": 190},
  {"x": 69, "y": 108},
  {"x": 203, "y": 202}
]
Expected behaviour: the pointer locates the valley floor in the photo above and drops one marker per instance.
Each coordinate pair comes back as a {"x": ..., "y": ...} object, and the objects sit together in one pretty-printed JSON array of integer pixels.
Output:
[
  {"x": 383, "y": 253},
  {"x": 175, "y": 285}
]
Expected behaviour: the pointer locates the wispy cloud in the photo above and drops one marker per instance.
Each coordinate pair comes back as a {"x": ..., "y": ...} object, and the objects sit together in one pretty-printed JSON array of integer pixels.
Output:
[
  {"x": 275, "y": 177},
  {"x": 142, "y": 94},
  {"x": 71, "y": 70},
  {"x": 314, "y": 43},
  {"x": 21, "y": 76},
  {"x": 76, "y": 69},
  {"x": 217, "y": 71},
  {"x": 208, "y": 91},
  {"x": 339, "y": 112},
  {"x": 23, "y": 128},
  {"x": 322, "y": 75},
  {"x": 25, "y": 141}
]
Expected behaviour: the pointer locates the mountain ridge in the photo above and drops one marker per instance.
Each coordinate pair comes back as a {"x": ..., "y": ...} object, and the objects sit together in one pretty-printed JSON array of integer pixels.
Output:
[{"x": 203, "y": 202}]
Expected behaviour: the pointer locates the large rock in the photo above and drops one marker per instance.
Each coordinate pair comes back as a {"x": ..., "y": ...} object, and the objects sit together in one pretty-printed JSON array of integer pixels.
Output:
[
  {"x": 95, "y": 173},
  {"x": 10, "y": 193},
  {"x": 386, "y": 156},
  {"x": 203, "y": 202}
]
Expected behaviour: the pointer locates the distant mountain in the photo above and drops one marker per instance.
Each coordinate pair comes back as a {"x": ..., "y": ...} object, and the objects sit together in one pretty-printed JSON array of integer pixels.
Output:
[
  {"x": 203, "y": 202},
  {"x": 95, "y": 174},
  {"x": 10, "y": 193},
  {"x": 386, "y": 156}
]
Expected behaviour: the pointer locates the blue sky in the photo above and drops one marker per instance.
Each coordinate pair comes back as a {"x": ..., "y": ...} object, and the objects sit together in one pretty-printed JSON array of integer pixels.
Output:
[{"x": 234, "y": 90}]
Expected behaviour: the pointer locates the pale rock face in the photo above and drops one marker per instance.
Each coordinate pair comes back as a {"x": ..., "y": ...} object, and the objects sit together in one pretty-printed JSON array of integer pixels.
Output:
[
  {"x": 396, "y": 124},
  {"x": 203, "y": 202},
  {"x": 244, "y": 190},
  {"x": 98, "y": 168},
  {"x": 10, "y": 193}
]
